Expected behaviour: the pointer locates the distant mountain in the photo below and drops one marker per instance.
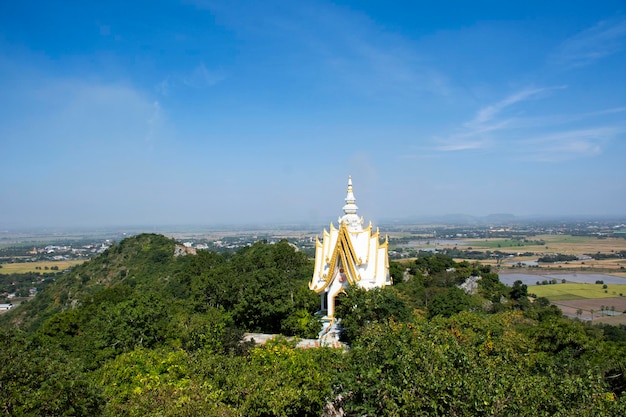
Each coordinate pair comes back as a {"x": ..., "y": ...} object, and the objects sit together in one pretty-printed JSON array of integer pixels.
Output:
[
  {"x": 457, "y": 219},
  {"x": 500, "y": 218}
]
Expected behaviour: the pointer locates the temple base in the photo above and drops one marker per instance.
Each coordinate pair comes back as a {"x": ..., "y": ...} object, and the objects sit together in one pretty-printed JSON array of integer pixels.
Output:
[{"x": 331, "y": 329}]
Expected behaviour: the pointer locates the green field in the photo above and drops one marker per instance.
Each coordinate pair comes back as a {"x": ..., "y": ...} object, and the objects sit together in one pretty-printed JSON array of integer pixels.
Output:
[
  {"x": 566, "y": 239},
  {"x": 555, "y": 242},
  {"x": 576, "y": 291},
  {"x": 502, "y": 243},
  {"x": 23, "y": 267}
]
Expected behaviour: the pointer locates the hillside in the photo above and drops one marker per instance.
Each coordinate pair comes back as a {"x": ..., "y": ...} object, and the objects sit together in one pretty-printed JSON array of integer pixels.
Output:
[
  {"x": 147, "y": 329},
  {"x": 145, "y": 291},
  {"x": 144, "y": 260}
]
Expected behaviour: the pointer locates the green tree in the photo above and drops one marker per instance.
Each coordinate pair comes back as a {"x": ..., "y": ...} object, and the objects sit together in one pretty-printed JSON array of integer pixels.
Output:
[
  {"x": 396, "y": 270},
  {"x": 412, "y": 291},
  {"x": 429, "y": 263},
  {"x": 114, "y": 321},
  {"x": 490, "y": 287},
  {"x": 302, "y": 323},
  {"x": 451, "y": 301},
  {"x": 466, "y": 365},
  {"x": 261, "y": 286},
  {"x": 210, "y": 331},
  {"x": 519, "y": 290},
  {"x": 145, "y": 382},
  {"x": 277, "y": 379},
  {"x": 38, "y": 380},
  {"x": 359, "y": 307}
]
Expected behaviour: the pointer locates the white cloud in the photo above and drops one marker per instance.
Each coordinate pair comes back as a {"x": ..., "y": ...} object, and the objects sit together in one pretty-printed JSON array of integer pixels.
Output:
[
  {"x": 164, "y": 86},
  {"x": 154, "y": 121},
  {"x": 84, "y": 119},
  {"x": 201, "y": 77},
  {"x": 552, "y": 120},
  {"x": 488, "y": 113},
  {"x": 378, "y": 62},
  {"x": 461, "y": 146},
  {"x": 570, "y": 144},
  {"x": 548, "y": 138},
  {"x": 479, "y": 132},
  {"x": 346, "y": 47},
  {"x": 601, "y": 40}
]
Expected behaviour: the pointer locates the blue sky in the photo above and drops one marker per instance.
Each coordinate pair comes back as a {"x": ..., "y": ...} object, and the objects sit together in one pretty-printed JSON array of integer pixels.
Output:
[{"x": 212, "y": 112}]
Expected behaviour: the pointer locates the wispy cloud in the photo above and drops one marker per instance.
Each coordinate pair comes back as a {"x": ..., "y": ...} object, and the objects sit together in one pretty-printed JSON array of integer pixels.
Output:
[
  {"x": 201, "y": 77},
  {"x": 569, "y": 144},
  {"x": 478, "y": 133},
  {"x": 461, "y": 146},
  {"x": 488, "y": 113},
  {"x": 153, "y": 122},
  {"x": 552, "y": 120},
  {"x": 547, "y": 138},
  {"x": 378, "y": 62},
  {"x": 164, "y": 86},
  {"x": 601, "y": 40},
  {"x": 98, "y": 127},
  {"x": 345, "y": 47},
  {"x": 198, "y": 78}
]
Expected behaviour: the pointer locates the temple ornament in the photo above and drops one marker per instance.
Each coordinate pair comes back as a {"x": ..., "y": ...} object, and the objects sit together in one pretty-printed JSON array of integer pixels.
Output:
[{"x": 349, "y": 255}]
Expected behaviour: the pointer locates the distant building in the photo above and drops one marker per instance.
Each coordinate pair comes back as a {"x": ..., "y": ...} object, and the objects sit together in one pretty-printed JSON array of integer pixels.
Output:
[{"x": 348, "y": 256}]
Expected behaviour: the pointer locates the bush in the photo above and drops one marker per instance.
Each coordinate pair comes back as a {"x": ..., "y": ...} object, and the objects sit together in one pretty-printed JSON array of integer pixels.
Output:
[
  {"x": 450, "y": 302},
  {"x": 471, "y": 365},
  {"x": 303, "y": 324},
  {"x": 41, "y": 381}
]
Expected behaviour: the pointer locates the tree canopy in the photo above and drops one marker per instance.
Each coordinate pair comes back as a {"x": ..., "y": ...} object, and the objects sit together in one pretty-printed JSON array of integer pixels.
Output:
[{"x": 139, "y": 331}]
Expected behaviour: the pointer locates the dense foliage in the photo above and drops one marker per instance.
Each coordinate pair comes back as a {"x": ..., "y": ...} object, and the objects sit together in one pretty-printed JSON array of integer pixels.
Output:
[
  {"x": 139, "y": 331},
  {"x": 469, "y": 365},
  {"x": 37, "y": 380}
]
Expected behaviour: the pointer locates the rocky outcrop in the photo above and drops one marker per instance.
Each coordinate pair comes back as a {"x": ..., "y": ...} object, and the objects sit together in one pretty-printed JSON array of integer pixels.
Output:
[{"x": 181, "y": 250}]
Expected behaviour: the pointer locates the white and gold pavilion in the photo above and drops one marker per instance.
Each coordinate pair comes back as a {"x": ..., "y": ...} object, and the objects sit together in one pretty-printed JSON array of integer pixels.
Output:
[{"x": 349, "y": 255}]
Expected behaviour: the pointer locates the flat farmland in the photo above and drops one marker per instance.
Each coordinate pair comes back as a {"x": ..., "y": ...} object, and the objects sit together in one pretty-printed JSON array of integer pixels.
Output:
[
  {"x": 586, "y": 301},
  {"x": 566, "y": 244},
  {"x": 553, "y": 244},
  {"x": 23, "y": 267},
  {"x": 576, "y": 291},
  {"x": 612, "y": 320}
]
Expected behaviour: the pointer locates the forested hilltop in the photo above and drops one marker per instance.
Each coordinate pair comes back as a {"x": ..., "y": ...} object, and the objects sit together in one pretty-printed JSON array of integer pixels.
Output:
[{"x": 149, "y": 329}]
